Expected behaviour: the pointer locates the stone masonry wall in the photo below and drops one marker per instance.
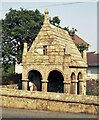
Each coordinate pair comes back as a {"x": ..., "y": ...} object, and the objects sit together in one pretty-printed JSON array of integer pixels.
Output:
[{"x": 13, "y": 98}]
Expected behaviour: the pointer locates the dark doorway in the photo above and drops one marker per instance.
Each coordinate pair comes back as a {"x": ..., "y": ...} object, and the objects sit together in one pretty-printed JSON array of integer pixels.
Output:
[
  {"x": 36, "y": 77},
  {"x": 55, "y": 82}
]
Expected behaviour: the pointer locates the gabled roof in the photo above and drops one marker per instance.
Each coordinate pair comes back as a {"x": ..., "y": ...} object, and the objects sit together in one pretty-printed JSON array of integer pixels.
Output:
[
  {"x": 79, "y": 40},
  {"x": 50, "y": 33},
  {"x": 93, "y": 58}
]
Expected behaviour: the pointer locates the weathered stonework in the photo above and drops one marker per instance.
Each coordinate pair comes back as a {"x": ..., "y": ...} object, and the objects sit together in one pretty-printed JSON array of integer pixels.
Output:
[
  {"x": 49, "y": 101},
  {"x": 54, "y": 55}
]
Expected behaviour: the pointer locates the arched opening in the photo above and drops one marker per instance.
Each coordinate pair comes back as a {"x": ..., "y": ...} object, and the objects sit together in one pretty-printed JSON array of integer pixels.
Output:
[
  {"x": 79, "y": 76},
  {"x": 55, "y": 82},
  {"x": 78, "y": 83},
  {"x": 36, "y": 77},
  {"x": 73, "y": 76},
  {"x": 72, "y": 86}
]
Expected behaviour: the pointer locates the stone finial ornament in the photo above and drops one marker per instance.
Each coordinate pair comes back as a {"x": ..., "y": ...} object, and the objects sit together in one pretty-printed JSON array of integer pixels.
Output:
[
  {"x": 46, "y": 11},
  {"x": 46, "y": 17}
]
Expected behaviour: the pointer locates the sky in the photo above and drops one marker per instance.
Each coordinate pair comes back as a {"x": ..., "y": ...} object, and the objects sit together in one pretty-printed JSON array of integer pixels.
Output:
[{"x": 79, "y": 14}]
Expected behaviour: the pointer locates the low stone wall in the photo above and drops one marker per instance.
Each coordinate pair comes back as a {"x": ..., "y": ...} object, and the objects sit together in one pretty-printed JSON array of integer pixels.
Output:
[
  {"x": 12, "y": 86},
  {"x": 48, "y": 101}
]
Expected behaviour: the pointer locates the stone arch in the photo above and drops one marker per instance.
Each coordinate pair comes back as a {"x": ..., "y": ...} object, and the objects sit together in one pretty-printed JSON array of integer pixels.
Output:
[
  {"x": 79, "y": 77},
  {"x": 35, "y": 76},
  {"x": 35, "y": 69},
  {"x": 55, "y": 81},
  {"x": 73, "y": 83},
  {"x": 52, "y": 69},
  {"x": 73, "y": 76}
]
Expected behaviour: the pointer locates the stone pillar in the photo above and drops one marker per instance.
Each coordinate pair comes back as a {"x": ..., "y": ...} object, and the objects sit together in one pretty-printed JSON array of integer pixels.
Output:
[
  {"x": 24, "y": 84},
  {"x": 67, "y": 87},
  {"x": 82, "y": 89},
  {"x": 74, "y": 87},
  {"x": 44, "y": 85}
]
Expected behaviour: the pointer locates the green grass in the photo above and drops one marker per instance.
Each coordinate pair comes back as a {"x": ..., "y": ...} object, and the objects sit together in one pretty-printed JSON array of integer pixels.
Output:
[{"x": 93, "y": 94}]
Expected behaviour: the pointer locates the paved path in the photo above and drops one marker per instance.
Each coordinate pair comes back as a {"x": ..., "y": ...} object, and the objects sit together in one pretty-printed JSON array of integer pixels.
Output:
[{"x": 24, "y": 113}]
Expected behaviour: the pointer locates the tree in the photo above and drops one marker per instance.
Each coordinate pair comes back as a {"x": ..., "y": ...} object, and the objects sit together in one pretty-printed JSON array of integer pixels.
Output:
[
  {"x": 70, "y": 31},
  {"x": 20, "y": 26},
  {"x": 55, "y": 21}
]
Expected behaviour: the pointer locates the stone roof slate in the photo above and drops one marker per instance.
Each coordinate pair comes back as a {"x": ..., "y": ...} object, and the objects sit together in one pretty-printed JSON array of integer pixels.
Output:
[{"x": 50, "y": 33}]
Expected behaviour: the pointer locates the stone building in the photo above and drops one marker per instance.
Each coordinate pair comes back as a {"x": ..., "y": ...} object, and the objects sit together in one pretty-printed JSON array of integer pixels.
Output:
[{"x": 54, "y": 62}]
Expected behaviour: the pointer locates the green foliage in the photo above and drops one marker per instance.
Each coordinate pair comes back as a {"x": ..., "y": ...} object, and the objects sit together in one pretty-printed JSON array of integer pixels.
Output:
[
  {"x": 92, "y": 94},
  {"x": 82, "y": 47},
  {"x": 10, "y": 70},
  {"x": 9, "y": 77},
  {"x": 70, "y": 31},
  {"x": 0, "y": 71},
  {"x": 55, "y": 21},
  {"x": 20, "y": 26},
  {"x": 17, "y": 27}
]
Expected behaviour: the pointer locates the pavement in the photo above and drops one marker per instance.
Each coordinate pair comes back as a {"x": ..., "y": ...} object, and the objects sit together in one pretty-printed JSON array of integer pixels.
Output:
[{"x": 24, "y": 113}]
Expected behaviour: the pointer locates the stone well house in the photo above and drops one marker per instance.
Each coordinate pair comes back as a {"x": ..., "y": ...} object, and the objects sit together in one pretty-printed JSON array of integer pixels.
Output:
[{"x": 54, "y": 62}]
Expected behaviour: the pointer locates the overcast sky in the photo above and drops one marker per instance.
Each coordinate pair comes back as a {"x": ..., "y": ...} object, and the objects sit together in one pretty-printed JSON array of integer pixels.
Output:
[{"x": 80, "y": 14}]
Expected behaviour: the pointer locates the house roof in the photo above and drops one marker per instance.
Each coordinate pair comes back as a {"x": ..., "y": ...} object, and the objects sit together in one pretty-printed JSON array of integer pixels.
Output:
[
  {"x": 52, "y": 34},
  {"x": 79, "y": 40},
  {"x": 93, "y": 58}
]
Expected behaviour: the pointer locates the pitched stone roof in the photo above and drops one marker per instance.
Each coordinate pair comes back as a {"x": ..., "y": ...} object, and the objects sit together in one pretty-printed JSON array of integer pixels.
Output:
[
  {"x": 93, "y": 58},
  {"x": 52, "y": 34}
]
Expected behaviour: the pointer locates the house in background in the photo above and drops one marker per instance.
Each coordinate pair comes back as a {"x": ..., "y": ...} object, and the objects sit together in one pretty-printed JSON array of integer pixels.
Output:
[
  {"x": 82, "y": 45},
  {"x": 93, "y": 65},
  {"x": 78, "y": 40},
  {"x": 92, "y": 59}
]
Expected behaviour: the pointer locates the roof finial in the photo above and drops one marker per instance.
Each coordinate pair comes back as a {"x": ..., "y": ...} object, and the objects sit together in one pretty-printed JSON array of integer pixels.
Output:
[
  {"x": 46, "y": 11},
  {"x": 46, "y": 19}
]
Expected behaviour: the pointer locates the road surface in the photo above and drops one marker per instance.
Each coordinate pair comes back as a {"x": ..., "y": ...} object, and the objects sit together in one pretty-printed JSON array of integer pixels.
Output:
[{"x": 24, "y": 113}]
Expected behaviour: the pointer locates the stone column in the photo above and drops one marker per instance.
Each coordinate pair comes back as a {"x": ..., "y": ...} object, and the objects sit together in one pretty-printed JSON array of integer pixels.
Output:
[
  {"x": 74, "y": 87},
  {"x": 67, "y": 87},
  {"x": 25, "y": 84},
  {"x": 82, "y": 89},
  {"x": 44, "y": 85}
]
